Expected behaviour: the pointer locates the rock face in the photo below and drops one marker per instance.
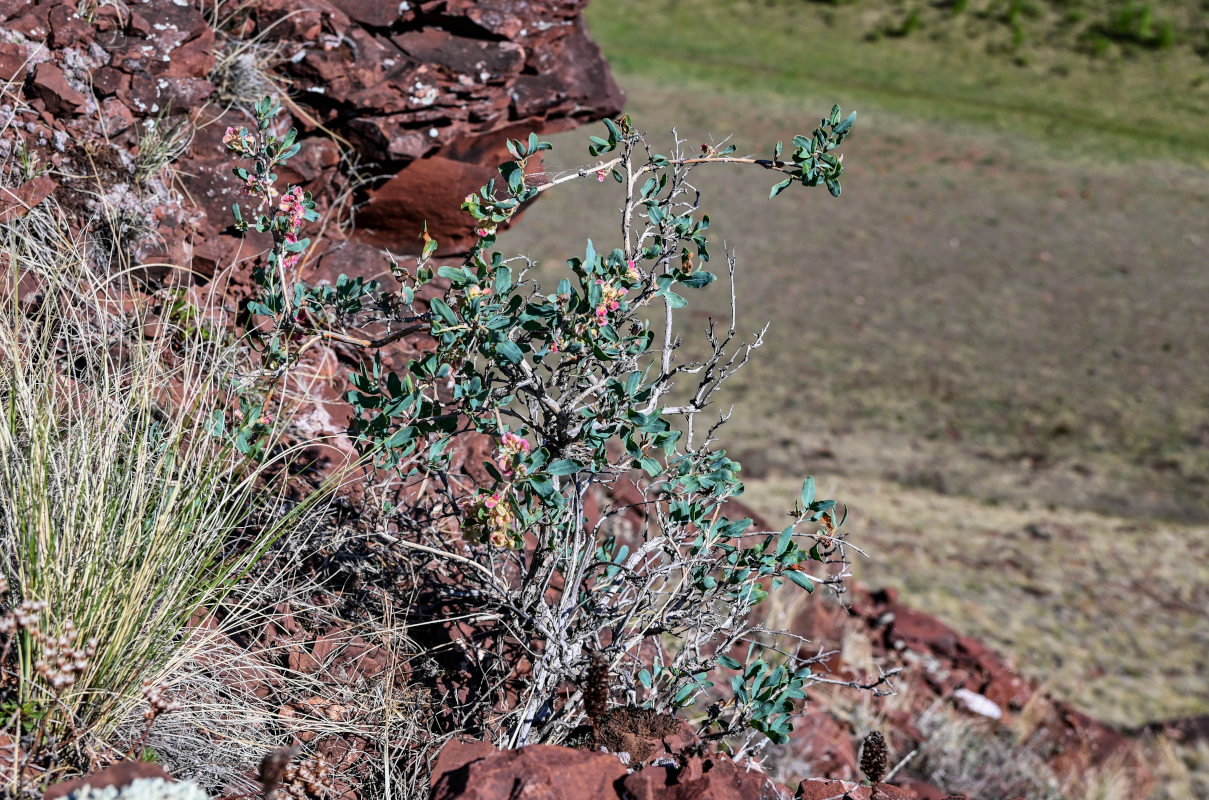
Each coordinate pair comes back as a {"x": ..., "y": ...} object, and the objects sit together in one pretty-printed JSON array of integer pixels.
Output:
[
  {"x": 422, "y": 95},
  {"x": 941, "y": 666}
]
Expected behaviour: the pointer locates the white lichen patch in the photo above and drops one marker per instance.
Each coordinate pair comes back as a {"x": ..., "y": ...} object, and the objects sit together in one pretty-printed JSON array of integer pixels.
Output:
[{"x": 143, "y": 789}]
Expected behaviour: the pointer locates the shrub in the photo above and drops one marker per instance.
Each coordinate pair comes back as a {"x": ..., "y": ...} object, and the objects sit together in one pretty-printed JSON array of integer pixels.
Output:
[{"x": 580, "y": 399}]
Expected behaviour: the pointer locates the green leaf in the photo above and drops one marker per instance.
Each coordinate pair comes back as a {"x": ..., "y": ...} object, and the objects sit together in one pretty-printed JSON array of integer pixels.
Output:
[
  {"x": 443, "y": 311},
  {"x": 218, "y": 423},
  {"x": 844, "y": 126},
  {"x": 784, "y": 540},
  {"x": 650, "y": 466},
  {"x": 800, "y": 579},
  {"x": 780, "y": 187},
  {"x": 614, "y": 134},
  {"x": 674, "y": 300},
  {"x": 503, "y": 280},
  {"x": 684, "y": 695},
  {"x": 729, "y": 662},
  {"x": 509, "y": 350},
  {"x": 563, "y": 466},
  {"x": 807, "y": 496},
  {"x": 698, "y": 279}
]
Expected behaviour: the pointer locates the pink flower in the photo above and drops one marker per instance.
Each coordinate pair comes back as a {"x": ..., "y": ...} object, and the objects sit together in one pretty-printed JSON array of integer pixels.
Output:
[
  {"x": 293, "y": 203},
  {"x": 600, "y": 177},
  {"x": 239, "y": 141},
  {"x": 514, "y": 442}
]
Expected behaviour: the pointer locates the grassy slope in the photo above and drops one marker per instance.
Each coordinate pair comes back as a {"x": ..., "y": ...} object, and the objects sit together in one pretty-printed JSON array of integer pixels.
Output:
[
  {"x": 1128, "y": 102},
  {"x": 1002, "y": 308}
]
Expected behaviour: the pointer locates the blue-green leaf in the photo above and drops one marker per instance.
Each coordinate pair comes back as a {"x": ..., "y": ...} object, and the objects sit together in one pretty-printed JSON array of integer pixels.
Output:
[
  {"x": 800, "y": 579},
  {"x": 807, "y": 492},
  {"x": 563, "y": 466}
]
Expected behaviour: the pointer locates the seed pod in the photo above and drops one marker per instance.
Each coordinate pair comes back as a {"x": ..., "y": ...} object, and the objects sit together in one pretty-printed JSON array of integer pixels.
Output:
[
  {"x": 873, "y": 760},
  {"x": 595, "y": 687}
]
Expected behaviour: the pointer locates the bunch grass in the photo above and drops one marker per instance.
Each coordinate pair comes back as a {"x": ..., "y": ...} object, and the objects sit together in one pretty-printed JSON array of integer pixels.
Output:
[{"x": 118, "y": 509}]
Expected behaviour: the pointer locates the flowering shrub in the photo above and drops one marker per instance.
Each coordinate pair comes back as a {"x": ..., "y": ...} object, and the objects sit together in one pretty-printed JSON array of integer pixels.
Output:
[{"x": 575, "y": 388}]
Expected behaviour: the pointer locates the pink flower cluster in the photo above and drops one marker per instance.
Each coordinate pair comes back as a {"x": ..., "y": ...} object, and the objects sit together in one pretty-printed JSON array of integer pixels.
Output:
[
  {"x": 492, "y": 521},
  {"x": 632, "y": 273},
  {"x": 610, "y": 301},
  {"x": 288, "y": 260},
  {"x": 240, "y": 141},
  {"x": 513, "y": 449},
  {"x": 293, "y": 204}
]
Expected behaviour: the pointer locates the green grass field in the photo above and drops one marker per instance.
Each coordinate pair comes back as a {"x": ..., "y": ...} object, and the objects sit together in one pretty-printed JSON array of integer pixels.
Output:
[
  {"x": 1131, "y": 101},
  {"x": 1001, "y": 322}
]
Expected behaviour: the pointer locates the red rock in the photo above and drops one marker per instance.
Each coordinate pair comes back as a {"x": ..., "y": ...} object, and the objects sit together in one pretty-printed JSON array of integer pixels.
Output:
[
  {"x": 924, "y": 790},
  {"x": 9, "y": 755},
  {"x": 825, "y": 745},
  {"x": 138, "y": 25},
  {"x": 107, "y": 81},
  {"x": 536, "y": 772},
  {"x": 150, "y": 95},
  {"x": 193, "y": 58},
  {"x": 574, "y": 58},
  {"x": 16, "y": 203},
  {"x": 132, "y": 56},
  {"x": 32, "y": 25},
  {"x": 107, "y": 18},
  {"x": 114, "y": 118},
  {"x": 494, "y": 16},
  {"x": 66, "y": 27},
  {"x": 484, "y": 61},
  {"x": 457, "y": 754},
  {"x": 377, "y": 13},
  {"x": 118, "y": 775},
  {"x": 714, "y": 777},
  {"x": 15, "y": 61},
  {"x": 51, "y": 85},
  {"x": 431, "y": 189}
]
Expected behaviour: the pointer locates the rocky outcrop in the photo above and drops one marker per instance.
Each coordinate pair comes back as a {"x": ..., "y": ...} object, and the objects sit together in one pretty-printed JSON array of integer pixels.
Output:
[
  {"x": 939, "y": 665},
  {"x": 422, "y": 95}
]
